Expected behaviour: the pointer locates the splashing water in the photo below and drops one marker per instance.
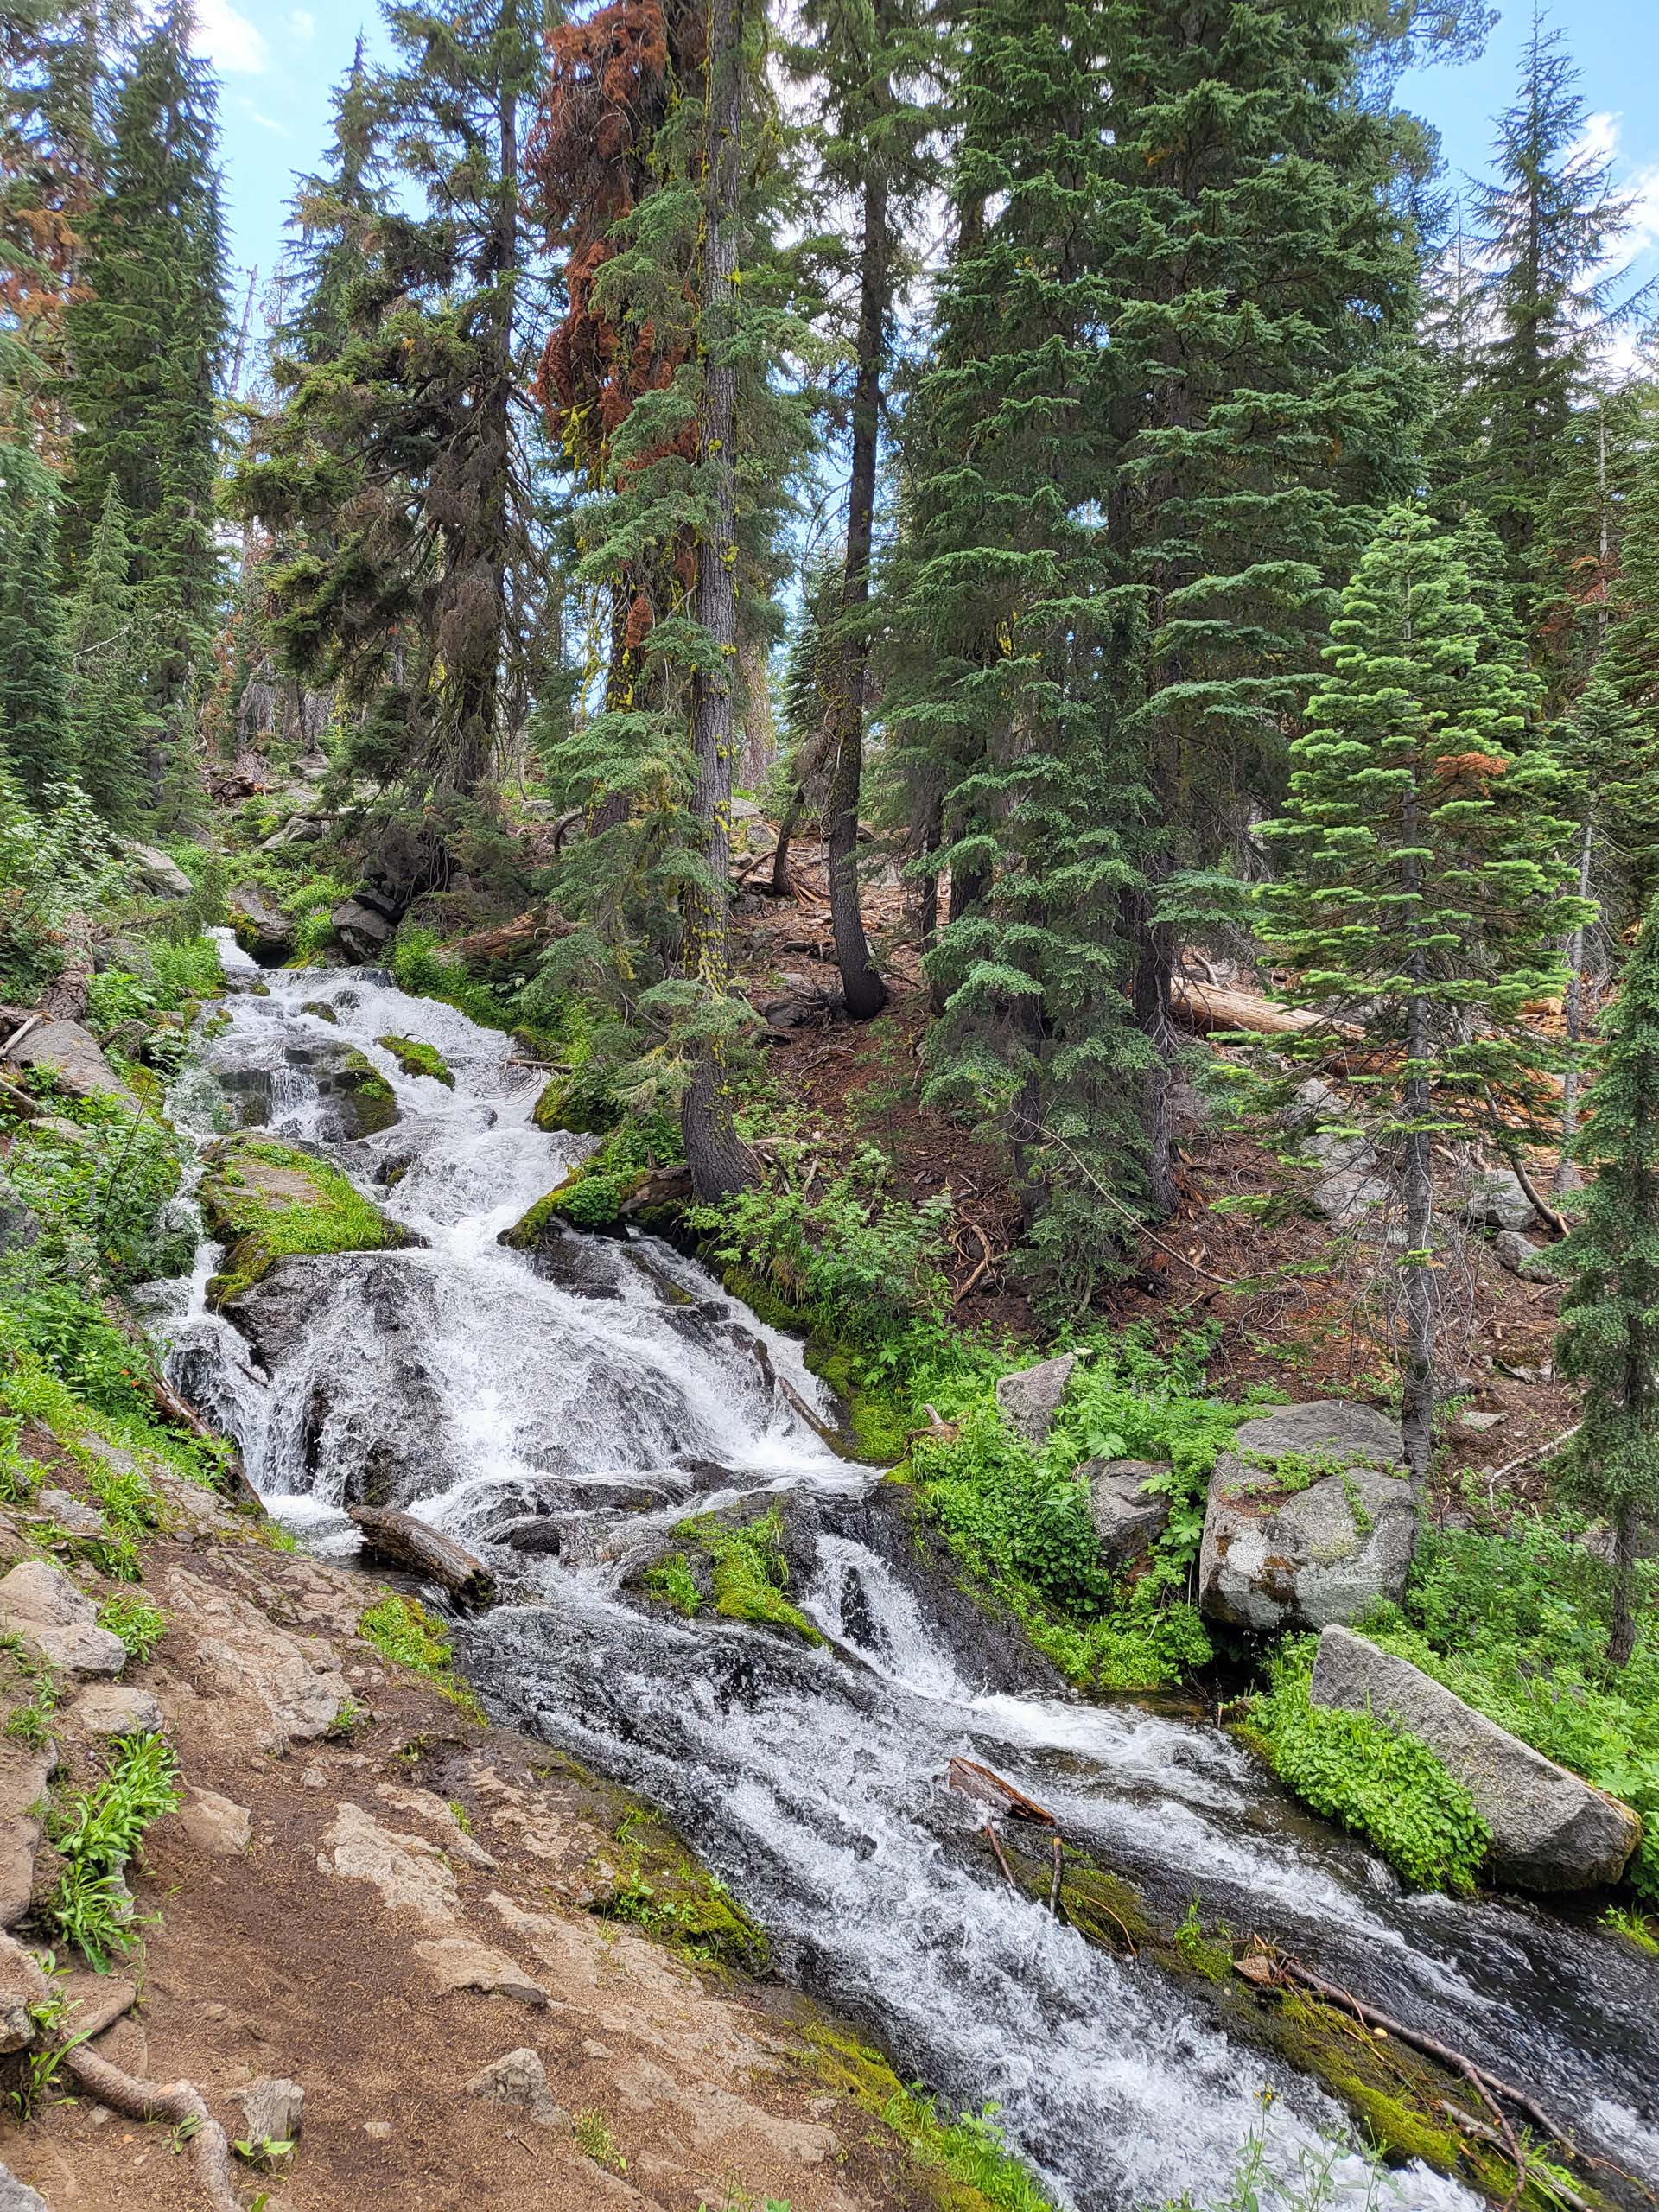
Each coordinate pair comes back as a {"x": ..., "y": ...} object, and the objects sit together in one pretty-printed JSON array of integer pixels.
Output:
[{"x": 612, "y": 1387}]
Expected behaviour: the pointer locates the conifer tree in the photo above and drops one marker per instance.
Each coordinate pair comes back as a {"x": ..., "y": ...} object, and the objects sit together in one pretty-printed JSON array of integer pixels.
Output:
[
  {"x": 1422, "y": 880},
  {"x": 34, "y": 734},
  {"x": 110, "y": 721},
  {"x": 1547, "y": 225},
  {"x": 148, "y": 345},
  {"x": 1608, "y": 1338}
]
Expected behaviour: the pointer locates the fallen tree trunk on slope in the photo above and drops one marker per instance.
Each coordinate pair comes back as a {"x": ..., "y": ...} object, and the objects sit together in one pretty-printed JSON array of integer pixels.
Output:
[
  {"x": 1208, "y": 1006},
  {"x": 405, "y": 1541}
]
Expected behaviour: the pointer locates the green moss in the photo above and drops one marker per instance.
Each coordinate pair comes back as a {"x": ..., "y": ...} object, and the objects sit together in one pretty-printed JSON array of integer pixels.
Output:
[
  {"x": 960, "y": 2165},
  {"x": 657, "y": 1886},
  {"x": 321, "y": 1009},
  {"x": 266, "y": 1201},
  {"x": 583, "y": 1200},
  {"x": 672, "y": 1580},
  {"x": 566, "y": 1105},
  {"x": 416, "y": 1058},
  {"x": 402, "y": 1630},
  {"x": 377, "y": 1101},
  {"x": 750, "y": 1572}
]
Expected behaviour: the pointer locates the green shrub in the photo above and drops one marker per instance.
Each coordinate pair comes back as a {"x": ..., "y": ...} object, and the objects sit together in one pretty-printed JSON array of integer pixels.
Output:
[
  {"x": 419, "y": 967},
  {"x": 1372, "y": 1778},
  {"x": 96, "y": 1833},
  {"x": 99, "y": 1202},
  {"x": 139, "y": 1625}
]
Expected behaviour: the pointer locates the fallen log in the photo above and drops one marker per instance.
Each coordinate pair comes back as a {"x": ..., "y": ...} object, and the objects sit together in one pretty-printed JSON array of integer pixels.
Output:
[
  {"x": 978, "y": 1781},
  {"x": 1207, "y": 1006},
  {"x": 405, "y": 1541},
  {"x": 526, "y": 932}
]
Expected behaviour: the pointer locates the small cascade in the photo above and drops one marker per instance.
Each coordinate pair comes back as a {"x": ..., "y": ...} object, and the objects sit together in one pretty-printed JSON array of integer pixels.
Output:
[{"x": 604, "y": 1391}]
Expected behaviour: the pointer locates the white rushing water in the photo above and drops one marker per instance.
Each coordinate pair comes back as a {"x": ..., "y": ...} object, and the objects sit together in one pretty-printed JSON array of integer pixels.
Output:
[{"x": 609, "y": 1387}]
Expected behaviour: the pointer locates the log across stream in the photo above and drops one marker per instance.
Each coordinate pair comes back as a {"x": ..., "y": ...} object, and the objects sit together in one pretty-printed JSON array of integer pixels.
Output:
[{"x": 479, "y": 1389}]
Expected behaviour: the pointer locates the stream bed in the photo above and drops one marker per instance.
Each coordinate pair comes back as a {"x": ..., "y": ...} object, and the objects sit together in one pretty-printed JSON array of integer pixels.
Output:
[{"x": 610, "y": 1387}]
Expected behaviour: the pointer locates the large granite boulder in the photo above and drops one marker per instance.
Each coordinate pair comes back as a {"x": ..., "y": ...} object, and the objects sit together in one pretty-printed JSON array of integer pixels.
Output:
[
  {"x": 1551, "y": 1829},
  {"x": 71, "y": 1054},
  {"x": 262, "y": 931},
  {"x": 1129, "y": 1519},
  {"x": 1497, "y": 1201},
  {"x": 157, "y": 871},
  {"x": 1029, "y": 1399},
  {"x": 1310, "y": 1519},
  {"x": 363, "y": 928}
]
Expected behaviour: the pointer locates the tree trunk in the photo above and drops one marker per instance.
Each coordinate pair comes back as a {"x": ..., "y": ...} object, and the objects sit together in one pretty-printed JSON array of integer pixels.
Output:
[
  {"x": 1567, "y": 1175},
  {"x": 759, "y": 729},
  {"x": 969, "y": 887},
  {"x": 933, "y": 835},
  {"x": 716, "y": 1158},
  {"x": 1417, "y": 1405},
  {"x": 1621, "y": 1643},
  {"x": 864, "y": 991},
  {"x": 1154, "y": 972},
  {"x": 781, "y": 881}
]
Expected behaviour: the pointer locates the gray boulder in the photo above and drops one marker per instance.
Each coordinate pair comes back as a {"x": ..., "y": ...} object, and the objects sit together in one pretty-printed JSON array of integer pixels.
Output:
[
  {"x": 1309, "y": 1519},
  {"x": 298, "y": 830},
  {"x": 1551, "y": 1829},
  {"x": 519, "y": 2080},
  {"x": 71, "y": 1054},
  {"x": 1127, "y": 1520},
  {"x": 262, "y": 931},
  {"x": 59, "y": 1620},
  {"x": 1522, "y": 1256},
  {"x": 20, "y": 1226},
  {"x": 1028, "y": 1400},
  {"x": 363, "y": 930},
  {"x": 1497, "y": 1201},
  {"x": 17, "y": 2197},
  {"x": 1347, "y": 1197},
  {"x": 157, "y": 872}
]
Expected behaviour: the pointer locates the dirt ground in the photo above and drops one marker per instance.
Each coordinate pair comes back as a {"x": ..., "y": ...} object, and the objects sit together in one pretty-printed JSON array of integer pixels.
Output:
[{"x": 379, "y": 1911}]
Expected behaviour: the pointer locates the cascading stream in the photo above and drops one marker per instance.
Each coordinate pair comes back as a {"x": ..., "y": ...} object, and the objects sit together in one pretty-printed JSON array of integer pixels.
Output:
[{"x": 614, "y": 1387}]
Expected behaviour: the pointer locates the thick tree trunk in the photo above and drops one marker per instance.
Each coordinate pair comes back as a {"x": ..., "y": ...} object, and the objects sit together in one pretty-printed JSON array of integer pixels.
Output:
[
  {"x": 1155, "y": 970},
  {"x": 718, "y": 1162},
  {"x": 1417, "y": 1404},
  {"x": 864, "y": 991},
  {"x": 760, "y": 728},
  {"x": 782, "y": 883},
  {"x": 1567, "y": 1174}
]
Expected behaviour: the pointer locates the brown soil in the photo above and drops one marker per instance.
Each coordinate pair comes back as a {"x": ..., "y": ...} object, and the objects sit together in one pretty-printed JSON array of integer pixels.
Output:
[{"x": 300, "y": 1954}]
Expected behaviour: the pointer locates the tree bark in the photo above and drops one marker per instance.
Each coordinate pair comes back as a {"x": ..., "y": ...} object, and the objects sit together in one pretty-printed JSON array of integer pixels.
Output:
[
  {"x": 1567, "y": 1175},
  {"x": 781, "y": 881},
  {"x": 1417, "y": 1404},
  {"x": 1154, "y": 976},
  {"x": 864, "y": 991},
  {"x": 1621, "y": 1643},
  {"x": 718, "y": 1162}
]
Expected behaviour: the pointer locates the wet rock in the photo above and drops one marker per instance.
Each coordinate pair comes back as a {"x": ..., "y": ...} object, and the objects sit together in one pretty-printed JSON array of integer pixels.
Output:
[
  {"x": 1030, "y": 1399},
  {"x": 1128, "y": 1521},
  {"x": 274, "y": 2109},
  {"x": 1522, "y": 1256},
  {"x": 1551, "y": 1830},
  {"x": 115, "y": 1709},
  {"x": 157, "y": 873},
  {"x": 518, "y": 2080},
  {"x": 457, "y": 1963},
  {"x": 59, "y": 1621},
  {"x": 262, "y": 931},
  {"x": 1309, "y": 1520},
  {"x": 216, "y": 1825},
  {"x": 364, "y": 930},
  {"x": 71, "y": 1053},
  {"x": 17, "y": 2197},
  {"x": 25, "y": 1771},
  {"x": 1497, "y": 1201},
  {"x": 72, "y": 1513}
]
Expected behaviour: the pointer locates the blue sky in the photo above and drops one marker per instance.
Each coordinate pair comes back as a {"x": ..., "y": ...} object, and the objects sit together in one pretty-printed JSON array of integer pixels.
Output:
[{"x": 279, "y": 62}]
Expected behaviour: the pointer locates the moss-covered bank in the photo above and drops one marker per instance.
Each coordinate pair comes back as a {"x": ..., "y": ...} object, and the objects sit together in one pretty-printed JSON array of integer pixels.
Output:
[{"x": 266, "y": 1201}]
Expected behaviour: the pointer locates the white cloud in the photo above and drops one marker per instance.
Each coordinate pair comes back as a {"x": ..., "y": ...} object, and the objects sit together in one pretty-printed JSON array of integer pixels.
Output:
[
  {"x": 302, "y": 26},
  {"x": 229, "y": 40},
  {"x": 265, "y": 122}
]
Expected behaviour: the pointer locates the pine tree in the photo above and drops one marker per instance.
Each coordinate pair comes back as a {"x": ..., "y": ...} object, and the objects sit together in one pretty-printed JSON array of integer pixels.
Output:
[
  {"x": 333, "y": 222},
  {"x": 34, "y": 734},
  {"x": 1608, "y": 1338},
  {"x": 1422, "y": 881},
  {"x": 110, "y": 723},
  {"x": 1547, "y": 226},
  {"x": 147, "y": 346}
]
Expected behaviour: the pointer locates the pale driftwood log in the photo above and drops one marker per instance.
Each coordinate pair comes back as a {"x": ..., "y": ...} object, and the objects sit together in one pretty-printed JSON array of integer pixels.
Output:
[
  {"x": 406, "y": 1541},
  {"x": 1207, "y": 1006}
]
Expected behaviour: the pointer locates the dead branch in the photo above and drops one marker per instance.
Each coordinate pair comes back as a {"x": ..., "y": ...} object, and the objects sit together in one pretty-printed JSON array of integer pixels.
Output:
[
  {"x": 1001, "y": 1855},
  {"x": 984, "y": 1262},
  {"x": 1539, "y": 1451},
  {"x": 1487, "y": 2134}
]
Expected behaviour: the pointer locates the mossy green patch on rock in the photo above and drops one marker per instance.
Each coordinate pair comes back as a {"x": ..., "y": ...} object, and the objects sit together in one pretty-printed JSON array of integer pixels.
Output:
[
  {"x": 736, "y": 1569},
  {"x": 321, "y": 1009},
  {"x": 652, "y": 1882},
  {"x": 416, "y": 1059},
  {"x": 402, "y": 1629},
  {"x": 583, "y": 1200},
  {"x": 374, "y": 1098},
  {"x": 266, "y": 1200}
]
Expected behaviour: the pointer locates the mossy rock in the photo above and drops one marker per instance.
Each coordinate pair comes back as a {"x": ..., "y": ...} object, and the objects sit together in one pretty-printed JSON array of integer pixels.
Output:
[
  {"x": 649, "y": 1880},
  {"x": 265, "y": 1201},
  {"x": 321, "y": 1009},
  {"x": 561, "y": 1106},
  {"x": 584, "y": 1200},
  {"x": 373, "y": 1102},
  {"x": 732, "y": 1563},
  {"x": 416, "y": 1059}
]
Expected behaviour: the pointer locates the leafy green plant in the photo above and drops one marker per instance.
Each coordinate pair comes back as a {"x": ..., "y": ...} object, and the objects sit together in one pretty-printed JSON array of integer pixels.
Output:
[
  {"x": 350, "y": 1720},
  {"x": 1373, "y": 1778},
  {"x": 262, "y": 2152},
  {"x": 1635, "y": 1927},
  {"x": 750, "y": 1574},
  {"x": 672, "y": 1580},
  {"x": 139, "y": 1625},
  {"x": 96, "y": 1833},
  {"x": 593, "y": 2137}
]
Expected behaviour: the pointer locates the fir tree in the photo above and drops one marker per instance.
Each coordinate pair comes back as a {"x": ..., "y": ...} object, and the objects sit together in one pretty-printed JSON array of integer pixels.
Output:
[
  {"x": 110, "y": 723},
  {"x": 1547, "y": 225},
  {"x": 1421, "y": 877},
  {"x": 1608, "y": 1338},
  {"x": 148, "y": 345},
  {"x": 34, "y": 734}
]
